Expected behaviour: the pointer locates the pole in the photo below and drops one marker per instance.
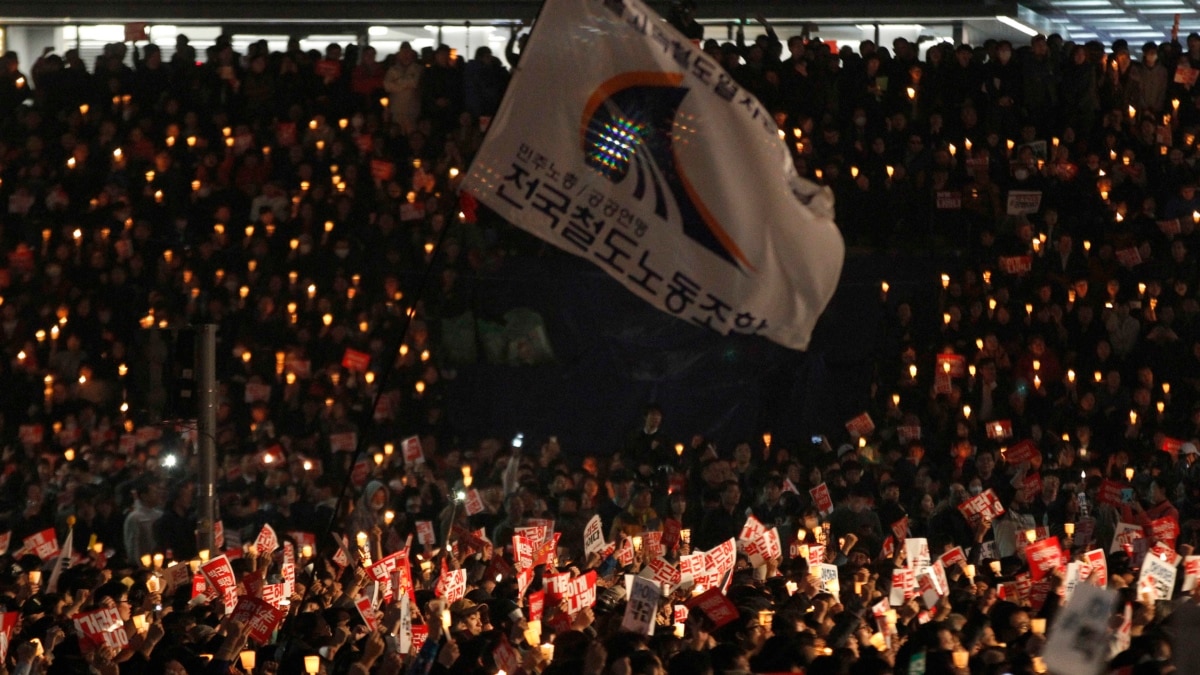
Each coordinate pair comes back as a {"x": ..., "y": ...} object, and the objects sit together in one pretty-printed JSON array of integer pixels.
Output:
[{"x": 206, "y": 425}]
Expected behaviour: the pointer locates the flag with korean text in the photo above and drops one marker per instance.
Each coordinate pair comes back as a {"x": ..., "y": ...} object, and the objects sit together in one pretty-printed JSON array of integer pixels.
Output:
[{"x": 647, "y": 159}]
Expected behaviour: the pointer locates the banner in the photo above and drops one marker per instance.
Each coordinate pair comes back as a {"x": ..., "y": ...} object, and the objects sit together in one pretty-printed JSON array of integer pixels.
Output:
[{"x": 643, "y": 159}]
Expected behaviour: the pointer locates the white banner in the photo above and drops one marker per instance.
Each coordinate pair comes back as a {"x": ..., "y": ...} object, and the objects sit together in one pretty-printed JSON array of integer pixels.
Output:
[{"x": 648, "y": 160}]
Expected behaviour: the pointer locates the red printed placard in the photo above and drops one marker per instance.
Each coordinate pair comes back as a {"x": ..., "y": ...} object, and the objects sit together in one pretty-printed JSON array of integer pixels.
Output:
[
  {"x": 452, "y": 586},
  {"x": 536, "y": 602},
  {"x": 1166, "y": 530},
  {"x": 821, "y": 498},
  {"x": 1110, "y": 493},
  {"x": 220, "y": 581},
  {"x": 861, "y": 425},
  {"x": 356, "y": 361},
  {"x": 1098, "y": 564},
  {"x": 954, "y": 556},
  {"x": 1044, "y": 557},
  {"x": 582, "y": 592},
  {"x": 473, "y": 503},
  {"x": 1022, "y": 452},
  {"x": 999, "y": 430},
  {"x": 382, "y": 170},
  {"x": 715, "y": 607},
  {"x": 101, "y": 628},
  {"x": 1016, "y": 264},
  {"x": 43, "y": 544},
  {"x": 411, "y": 447},
  {"x": 267, "y": 541},
  {"x": 259, "y": 616}
]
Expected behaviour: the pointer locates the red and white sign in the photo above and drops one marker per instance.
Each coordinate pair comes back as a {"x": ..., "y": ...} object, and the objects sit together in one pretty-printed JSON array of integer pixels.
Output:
[
  {"x": 715, "y": 606},
  {"x": 473, "y": 503},
  {"x": 556, "y": 586},
  {"x": 260, "y": 617},
  {"x": 750, "y": 531},
  {"x": 582, "y": 592},
  {"x": 452, "y": 586},
  {"x": 1016, "y": 264},
  {"x": 1025, "y": 451},
  {"x": 999, "y": 430},
  {"x": 8, "y": 622},
  {"x": 267, "y": 541},
  {"x": 1129, "y": 257},
  {"x": 821, "y": 498},
  {"x": 1099, "y": 567},
  {"x": 101, "y": 628},
  {"x": 425, "y": 533},
  {"x": 861, "y": 426},
  {"x": 536, "y": 603},
  {"x": 522, "y": 552},
  {"x": 356, "y": 361},
  {"x": 1165, "y": 530},
  {"x": 220, "y": 582},
  {"x": 43, "y": 544},
  {"x": 954, "y": 556},
  {"x": 983, "y": 505},
  {"x": 411, "y": 447},
  {"x": 1044, "y": 557}
]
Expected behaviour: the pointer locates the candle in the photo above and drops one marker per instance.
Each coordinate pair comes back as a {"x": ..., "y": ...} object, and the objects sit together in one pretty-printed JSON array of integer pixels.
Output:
[
  {"x": 467, "y": 479},
  {"x": 1038, "y": 626},
  {"x": 1031, "y": 536},
  {"x": 388, "y": 516},
  {"x": 962, "y": 658},
  {"x": 35, "y": 577},
  {"x": 146, "y": 559},
  {"x": 970, "y": 570},
  {"x": 306, "y": 551},
  {"x": 361, "y": 538},
  {"x": 679, "y": 627},
  {"x": 995, "y": 567},
  {"x": 1129, "y": 473},
  {"x": 792, "y": 587},
  {"x": 1069, "y": 528},
  {"x": 139, "y": 623},
  {"x": 248, "y": 657},
  {"x": 312, "y": 664},
  {"x": 158, "y": 561},
  {"x": 685, "y": 535}
]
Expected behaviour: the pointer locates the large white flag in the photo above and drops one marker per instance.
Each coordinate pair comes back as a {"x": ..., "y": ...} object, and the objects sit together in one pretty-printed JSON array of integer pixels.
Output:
[{"x": 622, "y": 142}]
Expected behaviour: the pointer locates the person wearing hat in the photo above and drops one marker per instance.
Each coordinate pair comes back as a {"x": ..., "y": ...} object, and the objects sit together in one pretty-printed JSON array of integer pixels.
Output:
[{"x": 467, "y": 618}]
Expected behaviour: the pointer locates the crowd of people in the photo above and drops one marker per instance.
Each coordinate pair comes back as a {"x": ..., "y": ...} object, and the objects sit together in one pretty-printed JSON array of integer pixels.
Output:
[{"x": 307, "y": 204}]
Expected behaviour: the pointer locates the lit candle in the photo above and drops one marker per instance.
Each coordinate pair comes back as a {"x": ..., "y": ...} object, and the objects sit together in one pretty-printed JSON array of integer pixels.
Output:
[
  {"x": 248, "y": 658},
  {"x": 1069, "y": 528},
  {"x": 1038, "y": 626},
  {"x": 312, "y": 664},
  {"x": 1129, "y": 473}
]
